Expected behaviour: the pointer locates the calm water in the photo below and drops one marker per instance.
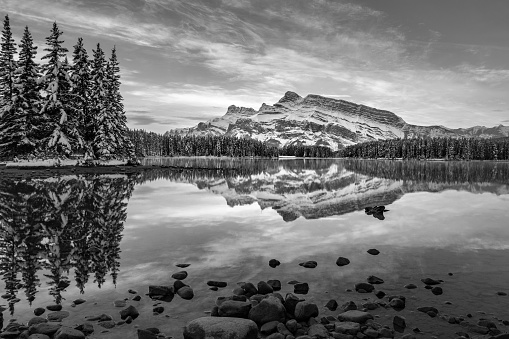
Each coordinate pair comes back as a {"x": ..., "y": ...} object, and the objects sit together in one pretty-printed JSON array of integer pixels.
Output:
[{"x": 96, "y": 237}]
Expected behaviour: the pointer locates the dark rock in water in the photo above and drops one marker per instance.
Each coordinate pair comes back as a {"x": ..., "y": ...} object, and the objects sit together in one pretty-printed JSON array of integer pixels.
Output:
[
  {"x": 183, "y": 265},
  {"x": 232, "y": 308},
  {"x": 318, "y": 331},
  {"x": 107, "y": 324},
  {"x": 449, "y": 274},
  {"x": 275, "y": 284},
  {"x": 309, "y": 264},
  {"x": 269, "y": 309},
  {"x": 79, "y": 301},
  {"x": 369, "y": 305},
  {"x": 397, "y": 303},
  {"x": 217, "y": 283},
  {"x": 487, "y": 323},
  {"x": 186, "y": 293},
  {"x": 342, "y": 261},
  {"x": 54, "y": 307},
  {"x": 36, "y": 320},
  {"x": 429, "y": 281},
  {"x": 373, "y": 251},
  {"x": 239, "y": 297},
  {"x": 290, "y": 303},
  {"x": 178, "y": 284},
  {"x": 39, "y": 310},
  {"x": 130, "y": 311},
  {"x": 410, "y": 286},
  {"x": 348, "y": 306},
  {"x": 502, "y": 293},
  {"x": 347, "y": 327},
  {"x": 179, "y": 275},
  {"x": 144, "y": 334},
  {"x": 132, "y": 291},
  {"x": 301, "y": 288},
  {"x": 332, "y": 305},
  {"x": 368, "y": 288},
  {"x": 305, "y": 310},
  {"x": 431, "y": 314},
  {"x": 380, "y": 294},
  {"x": 250, "y": 289},
  {"x": 69, "y": 333},
  {"x": 214, "y": 288},
  {"x": 274, "y": 263},
  {"x": 376, "y": 211},
  {"x": 293, "y": 282},
  {"x": 137, "y": 298},
  {"x": 57, "y": 316},
  {"x": 355, "y": 316},
  {"x": 399, "y": 321},
  {"x": 85, "y": 328},
  {"x": 437, "y": 290},
  {"x": 102, "y": 317},
  {"x": 374, "y": 280},
  {"x": 158, "y": 309},
  {"x": 45, "y": 328},
  {"x": 426, "y": 309},
  {"x": 428, "y": 287},
  {"x": 163, "y": 293},
  {"x": 264, "y": 288}
]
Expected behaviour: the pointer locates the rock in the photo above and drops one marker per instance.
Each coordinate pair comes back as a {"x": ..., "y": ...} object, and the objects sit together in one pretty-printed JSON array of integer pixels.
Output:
[
  {"x": 250, "y": 289},
  {"x": 217, "y": 283},
  {"x": 364, "y": 287},
  {"x": 410, "y": 286},
  {"x": 54, "y": 307},
  {"x": 158, "y": 310},
  {"x": 275, "y": 336},
  {"x": 178, "y": 284},
  {"x": 57, "y": 316},
  {"x": 130, "y": 311},
  {"x": 269, "y": 309},
  {"x": 137, "y": 298},
  {"x": 426, "y": 309},
  {"x": 281, "y": 328},
  {"x": 347, "y": 327},
  {"x": 120, "y": 303},
  {"x": 437, "y": 290},
  {"x": 220, "y": 327},
  {"x": 380, "y": 294},
  {"x": 371, "y": 333},
  {"x": 301, "y": 288},
  {"x": 275, "y": 284},
  {"x": 274, "y": 263},
  {"x": 500, "y": 293},
  {"x": 397, "y": 303},
  {"x": 269, "y": 328},
  {"x": 429, "y": 281},
  {"x": 332, "y": 305},
  {"x": 374, "y": 280},
  {"x": 69, "y": 333},
  {"x": 132, "y": 291},
  {"x": 183, "y": 265},
  {"x": 44, "y": 328},
  {"x": 369, "y": 305},
  {"x": 39, "y": 336},
  {"x": 399, "y": 321},
  {"x": 186, "y": 293},
  {"x": 144, "y": 334},
  {"x": 86, "y": 328},
  {"x": 291, "y": 302},
  {"x": 305, "y": 310},
  {"x": 79, "y": 301},
  {"x": 102, "y": 317},
  {"x": 355, "y": 316},
  {"x": 36, "y": 320},
  {"x": 264, "y": 288},
  {"x": 179, "y": 275},
  {"x": 39, "y": 311},
  {"x": 342, "y": 261},
  {"x": 309, "y": 264},
  {"x": 232, "y": 308},
  {"x": 348, "y": 306},
  {"x": 107, "y": 324},
  {"x": 373, "y": 251},
  {"x": 163, "y": 293},
  {"x": 318, "y": 331}
]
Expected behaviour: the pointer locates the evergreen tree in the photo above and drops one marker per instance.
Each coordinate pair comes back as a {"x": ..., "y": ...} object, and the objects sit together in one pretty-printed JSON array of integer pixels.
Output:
[
  {"x": 62, "y": 136},
  {"x": 21, "y": 122}
]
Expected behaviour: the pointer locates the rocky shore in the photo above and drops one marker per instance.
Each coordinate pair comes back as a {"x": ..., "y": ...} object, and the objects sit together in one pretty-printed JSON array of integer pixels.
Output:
[{"x": 259, "y": 310}]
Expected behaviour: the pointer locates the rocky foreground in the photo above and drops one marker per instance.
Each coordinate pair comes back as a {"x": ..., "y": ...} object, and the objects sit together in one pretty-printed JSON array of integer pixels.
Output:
[{"x": 260, "y": 311}]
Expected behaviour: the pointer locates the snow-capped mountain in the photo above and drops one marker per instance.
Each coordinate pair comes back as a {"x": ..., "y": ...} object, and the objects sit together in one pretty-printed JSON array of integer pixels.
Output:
[{"x": 317, "y": 120}]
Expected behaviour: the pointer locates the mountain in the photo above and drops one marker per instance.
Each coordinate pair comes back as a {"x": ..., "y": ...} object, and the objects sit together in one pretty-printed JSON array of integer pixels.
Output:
[{"x": 321, "y": 121}]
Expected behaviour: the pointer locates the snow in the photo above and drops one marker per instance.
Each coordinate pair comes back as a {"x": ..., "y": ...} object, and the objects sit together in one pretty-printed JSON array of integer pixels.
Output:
[{"x": 60, "y": 163}]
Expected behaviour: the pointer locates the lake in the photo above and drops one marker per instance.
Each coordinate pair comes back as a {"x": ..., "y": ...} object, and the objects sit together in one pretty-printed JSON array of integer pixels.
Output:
[{"x": 96, "y": 237}]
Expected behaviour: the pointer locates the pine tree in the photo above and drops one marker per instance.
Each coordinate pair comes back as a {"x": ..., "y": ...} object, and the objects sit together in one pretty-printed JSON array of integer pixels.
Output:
[
  {"x": 81, "y": 82},
  {"x": 21, "y": 121},
  {"x": 123, "y": 146},
  {"x": 62, "y": 136}
]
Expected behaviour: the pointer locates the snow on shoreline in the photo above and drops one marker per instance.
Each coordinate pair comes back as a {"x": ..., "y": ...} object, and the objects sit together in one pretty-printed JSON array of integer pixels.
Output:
[{"x": 62, "y": 163}]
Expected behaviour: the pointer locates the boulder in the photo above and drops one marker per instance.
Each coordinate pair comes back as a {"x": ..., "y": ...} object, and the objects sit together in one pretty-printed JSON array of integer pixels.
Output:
[
  {"x": 36, "y": 320},
  {"x": 355, "y": 316},
  {"x": 269, "y": 309},
  {"x": 232, "y": 308},
  {"x": 145, "y": 334},
  {"x": 342, "y": 261},
  {"x": 301, "y": 288},
  {"x": 429, "y": 281},
  {"x": 291, "y": 302},
  {"x": 186, "y": 293},
  {"x": 275, "y": 284},
  {"x": 45, "y": 328},
  {"x": 221, "y": 327},
  {"x": 318, "y": 331},
  {"x": 373, "y": 251},
  {"x": 332, "y": 305},
  {"x": 364, "y": 287},
  {"x": 57, "y": 316},
  {"x": 264, "y": 288},
  {"x": 69, "y": 333},
  {"x": 399, "y": 321},
  {"x": 274, "y": 263},
  {"x": 130, "y": 311},
  {"x": 305, "y": 310},
  {"x": 54, "y": 308},
  {"x": 374, "y": 280},
  {"x": 347, "y": 327},
  {"x": 179, "y": 275}
]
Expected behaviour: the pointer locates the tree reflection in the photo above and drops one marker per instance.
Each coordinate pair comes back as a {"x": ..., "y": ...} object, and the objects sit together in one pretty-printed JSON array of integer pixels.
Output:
[{"x": 51, "y": 226}]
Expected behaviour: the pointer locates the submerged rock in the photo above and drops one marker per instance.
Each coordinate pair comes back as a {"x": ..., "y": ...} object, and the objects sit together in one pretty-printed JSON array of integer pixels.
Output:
[
  {"x": 373, "y": 251},
  {"x": 342, "y": 261},
  {"x": 274, "y": 263}
]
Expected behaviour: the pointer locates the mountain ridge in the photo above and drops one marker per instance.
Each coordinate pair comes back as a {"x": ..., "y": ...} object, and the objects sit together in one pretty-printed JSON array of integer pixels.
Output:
[{"x": 322, "y": 121}]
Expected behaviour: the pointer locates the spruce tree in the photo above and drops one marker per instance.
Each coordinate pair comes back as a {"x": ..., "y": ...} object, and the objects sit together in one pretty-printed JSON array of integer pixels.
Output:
[
  {"x": 21, "y": 121},
  {"x": 123, "y": 147},
  {"x": 62, "y": 136},
  {"x": 7, "y": 69}
]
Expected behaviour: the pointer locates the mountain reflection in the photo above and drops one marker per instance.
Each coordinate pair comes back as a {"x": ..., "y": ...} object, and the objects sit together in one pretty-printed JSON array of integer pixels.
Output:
[
  {"x": 318, "y": 188},
  {"x": 51, "y": 226}
]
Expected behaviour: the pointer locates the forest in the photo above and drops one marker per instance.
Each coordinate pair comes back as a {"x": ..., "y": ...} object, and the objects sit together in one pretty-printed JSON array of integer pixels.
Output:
[{"x": 59, "y": 109}]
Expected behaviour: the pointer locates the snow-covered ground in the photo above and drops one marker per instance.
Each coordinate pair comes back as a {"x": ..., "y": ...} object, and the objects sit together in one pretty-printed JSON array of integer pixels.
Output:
[{"x": 60, "y": 163}]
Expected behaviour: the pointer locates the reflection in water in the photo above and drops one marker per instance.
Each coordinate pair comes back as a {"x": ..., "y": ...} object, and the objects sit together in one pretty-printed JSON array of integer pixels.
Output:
[
  {"x": 51, "y": 226},
  {"x": 321, "y": 188},
  {"x": 376, "y": 211}
]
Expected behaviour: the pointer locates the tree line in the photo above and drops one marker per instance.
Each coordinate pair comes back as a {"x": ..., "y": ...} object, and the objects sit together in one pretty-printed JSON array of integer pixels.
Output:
[
  {"x": 431, "y": 148},
  {"x": 58, "y": 109}
]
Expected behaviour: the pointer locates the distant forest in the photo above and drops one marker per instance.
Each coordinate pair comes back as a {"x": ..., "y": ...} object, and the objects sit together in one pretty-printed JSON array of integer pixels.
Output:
[
  {"x": 59, "y": 109},
  {"x": 154, "y": 144}
]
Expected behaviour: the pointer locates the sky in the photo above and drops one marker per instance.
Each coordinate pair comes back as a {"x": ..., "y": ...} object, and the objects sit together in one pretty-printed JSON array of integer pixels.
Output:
[{"x": 432, "y": 62}]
